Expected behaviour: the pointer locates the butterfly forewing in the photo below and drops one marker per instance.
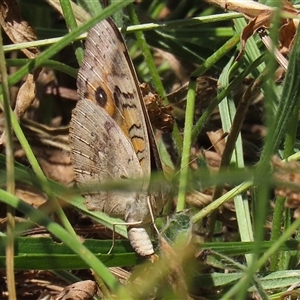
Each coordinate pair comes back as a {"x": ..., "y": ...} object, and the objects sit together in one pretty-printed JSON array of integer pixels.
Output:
[{"x": 107, "y": 78}]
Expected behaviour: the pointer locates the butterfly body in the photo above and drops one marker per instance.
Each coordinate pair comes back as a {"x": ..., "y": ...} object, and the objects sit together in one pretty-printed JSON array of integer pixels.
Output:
[{"x": 109, "y": 134}]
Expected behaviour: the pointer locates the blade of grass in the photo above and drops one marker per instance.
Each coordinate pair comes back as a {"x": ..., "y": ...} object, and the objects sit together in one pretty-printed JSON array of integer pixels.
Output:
[
  {"x": 233, "y": 85},
  {"x": 80, "y": 14},
  {"x": 10, "y": 183},
  {"x": 189, "y": 119},
  {"x": 252, "y": 51},
  {"x": 243, "y": 187},
  {"x": 129, "y": 29},
  {"x": 49, "y": 63},
  {"x": 69, "y": 17},
  {"x": 153, "y": 71},
  {"x": 92, "y": 7},
  {"x": 232, "y": 121},
  {"x": 147, "y": 54},
  {"x": 264, "y": 258},
  {"x": 73, "y": 243},
  {"x": 276, "y": 130},
  {"x": 210, "y": 61},
  {"x": 187, "y": 142},
  {"x": 280, "y": 262},
  {"x": 27, "y": 176},
  {"x": 41, "y": 253}
]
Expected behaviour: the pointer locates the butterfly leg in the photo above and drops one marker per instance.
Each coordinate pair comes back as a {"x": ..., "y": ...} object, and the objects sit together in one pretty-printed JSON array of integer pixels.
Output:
[
  {"x": 113, "y": 237},
  {"x": 152, "y": 216}
]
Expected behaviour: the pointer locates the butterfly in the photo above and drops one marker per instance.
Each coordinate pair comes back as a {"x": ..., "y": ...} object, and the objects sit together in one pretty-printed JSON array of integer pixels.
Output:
[{"x": 110, "y": 134}]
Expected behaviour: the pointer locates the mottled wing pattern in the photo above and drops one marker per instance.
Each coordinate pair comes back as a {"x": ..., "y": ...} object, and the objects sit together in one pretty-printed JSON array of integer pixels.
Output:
[
  {"x": 102, "y": 153},
  {"x": 110, "y": 130},
  {"x": 108, "y": 78}
]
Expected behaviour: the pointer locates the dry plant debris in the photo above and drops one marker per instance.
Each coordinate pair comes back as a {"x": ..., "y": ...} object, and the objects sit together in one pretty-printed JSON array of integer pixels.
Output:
[{"x": 287, "y": 179}]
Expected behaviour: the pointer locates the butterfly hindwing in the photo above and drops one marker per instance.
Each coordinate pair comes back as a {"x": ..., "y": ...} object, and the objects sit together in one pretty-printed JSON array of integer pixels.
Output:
[{"x": 102, "y": 153}]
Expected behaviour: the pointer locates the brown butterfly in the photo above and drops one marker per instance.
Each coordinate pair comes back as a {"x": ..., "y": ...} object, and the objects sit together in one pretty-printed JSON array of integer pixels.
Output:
[{"x": 110, "y": 134}]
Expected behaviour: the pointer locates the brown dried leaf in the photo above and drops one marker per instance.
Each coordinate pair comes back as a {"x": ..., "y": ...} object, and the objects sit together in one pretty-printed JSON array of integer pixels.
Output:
[
  {"x": 80, "y": 14},
  {"x": 51, "y": 147},
  {"x": 250, "y": 9},
  {"x": 18, "y": 30},
  {"x": 83, "y": 290},
  {"x": 176, "y": 275},
  {"x": 287, "y": 36},
  {"x": 217, "y": 139},
  {"x": 288, "y": 28},
  {"x": 260, "y": 16},
  {"x": 287, "y": 176},
  {"x": 31, "y": 196},
  {"x": 258, "y": 22},
  {"x": 198, "y": 199},
  {"x": 26, "y": 96}
]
